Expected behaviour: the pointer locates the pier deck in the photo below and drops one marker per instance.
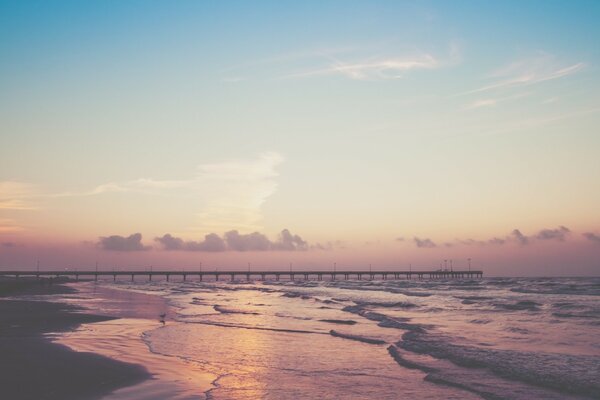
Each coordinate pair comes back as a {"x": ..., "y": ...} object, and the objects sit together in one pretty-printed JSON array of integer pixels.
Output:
[{"x": 255, "y": 275}]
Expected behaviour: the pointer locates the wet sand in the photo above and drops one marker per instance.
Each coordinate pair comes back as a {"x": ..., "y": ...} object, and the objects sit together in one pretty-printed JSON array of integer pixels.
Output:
[
  {"x": 122, "y": 339},
  {"x": 33, "y": 367}
]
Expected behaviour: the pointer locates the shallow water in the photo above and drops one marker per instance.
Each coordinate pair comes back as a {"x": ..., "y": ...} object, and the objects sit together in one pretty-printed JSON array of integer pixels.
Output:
[{"x": 515, "y": 338}]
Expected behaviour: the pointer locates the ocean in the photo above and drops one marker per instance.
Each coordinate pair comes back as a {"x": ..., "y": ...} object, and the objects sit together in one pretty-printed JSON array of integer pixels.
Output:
[{"x": 492, "y": 338}]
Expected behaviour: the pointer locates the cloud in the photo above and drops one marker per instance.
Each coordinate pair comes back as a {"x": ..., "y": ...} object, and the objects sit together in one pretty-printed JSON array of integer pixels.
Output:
[
  {"x": 254, "y": 241},
  {"x": 472, "y": 242},
  {"x": 375, "y": 69},
  {"x": 220, "y": 195},
  {"x": 8, "y": 244},
  {"x": 496, "y": 241},
  {"x": 553, "y": 234},
  {"x": 592, "y": 237},
  {"x": 372, "y": 62},
  {"x": 211, "y": 243},
  {"x": 491, "y": 102},
  {"x": 516, "y": 236},
  {"x": 378, "y": 64},
  {"x": 169, "y": 242},
  {"x": 16, "y": 195},
  {"x": 481, "y": 103},
  {"x": 9, "y": 225},
  {"x": 400, "y": 239},
  {"x": 289, "y": 242},
  {"x": 540, "y": 68},
  {"x": 329, "y": 245},
  {"x": 120, "y": 243},
  {"x": 424, "y": 243},
  {"x": 519, "y": 237},
  {"x": 235, "y": 241}
]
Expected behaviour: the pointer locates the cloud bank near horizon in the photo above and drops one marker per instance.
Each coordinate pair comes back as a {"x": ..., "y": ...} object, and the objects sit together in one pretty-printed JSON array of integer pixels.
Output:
[
  {"x": 212, "y": 242},
  {"x": 559, "y": 234},
  {"x": 235, "y": 241},
  {"x": 132, "y": 242}
]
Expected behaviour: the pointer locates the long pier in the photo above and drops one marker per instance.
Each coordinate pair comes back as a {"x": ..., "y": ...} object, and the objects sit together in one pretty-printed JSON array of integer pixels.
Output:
[{"x": 253, "y": 275}]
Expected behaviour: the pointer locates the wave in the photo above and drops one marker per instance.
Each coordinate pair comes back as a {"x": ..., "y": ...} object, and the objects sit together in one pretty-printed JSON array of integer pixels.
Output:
[
  {"x": 480, "y": 321},
  {"x": 582, "y": 314},
  {"x": 579, "y": 290},
  {"x": 413, "y": 294},
  {"x": 282, "y": 315},
  {"x": 356, "y": 337},
  {"x": 515, "y": 329},
  {"x": 524, "y": 305},
  {"x": 395, "y": 353},
  {"x": 224, "y": 310},
  {"x": 386, "y": 304},
  {"x": 258, "y": 328},
  {"x": 385, "y": 321},
  {"x": 339, "y": 321},
  {"x": 477, "y": 381},
  {"x": 565, "y": 373}
]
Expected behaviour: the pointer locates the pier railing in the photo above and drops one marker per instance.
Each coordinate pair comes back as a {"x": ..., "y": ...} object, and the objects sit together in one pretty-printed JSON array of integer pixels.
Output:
[{"x": 318, "y": 275}]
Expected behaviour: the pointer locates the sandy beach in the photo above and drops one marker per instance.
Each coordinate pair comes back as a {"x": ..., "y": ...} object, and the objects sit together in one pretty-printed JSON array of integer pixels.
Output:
[
  {"x": 33, "y": 367},
  {"x": 59, "y": 342}
]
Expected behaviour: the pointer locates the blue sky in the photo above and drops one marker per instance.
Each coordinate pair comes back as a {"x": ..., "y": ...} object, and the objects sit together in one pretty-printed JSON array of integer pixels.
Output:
[{"x": 353, "y": 122}]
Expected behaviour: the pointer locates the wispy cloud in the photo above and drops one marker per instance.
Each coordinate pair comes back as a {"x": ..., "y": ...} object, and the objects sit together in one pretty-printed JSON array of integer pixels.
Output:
[
  {"x": 374, "y": 68},
  {"x": 371, "y": 62},
  {"x": 481, "y": 103},
  {"x": 226, "y": 195},
  {"x": 230, "y": 193},
  {"x": 490, "y": 102},
  {"x": 15, "y": 195},
  {"x": 8, "y": 225},
  {"x": 527, "y": 123},
  {"x": 541, "y": 68}
]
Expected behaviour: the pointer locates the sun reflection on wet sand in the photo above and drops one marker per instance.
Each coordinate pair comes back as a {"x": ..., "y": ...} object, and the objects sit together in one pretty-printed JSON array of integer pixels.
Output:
[{"x": 173, "y": 378}]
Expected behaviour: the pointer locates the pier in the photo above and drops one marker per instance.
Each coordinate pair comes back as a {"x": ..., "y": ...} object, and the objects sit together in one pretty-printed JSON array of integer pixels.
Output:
[{"x": 262, "y": 275}]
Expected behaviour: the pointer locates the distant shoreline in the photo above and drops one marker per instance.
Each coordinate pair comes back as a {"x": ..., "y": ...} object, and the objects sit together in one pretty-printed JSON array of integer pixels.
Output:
[{"x": 33, "y": 367}]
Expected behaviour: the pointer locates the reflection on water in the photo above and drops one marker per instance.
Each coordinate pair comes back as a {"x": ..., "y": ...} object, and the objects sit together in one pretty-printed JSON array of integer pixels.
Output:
[{"x": 518, "y": 339}]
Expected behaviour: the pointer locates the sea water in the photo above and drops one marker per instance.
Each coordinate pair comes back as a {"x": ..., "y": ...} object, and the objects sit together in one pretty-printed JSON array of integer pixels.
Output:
[{"x": 514, "y": 338}]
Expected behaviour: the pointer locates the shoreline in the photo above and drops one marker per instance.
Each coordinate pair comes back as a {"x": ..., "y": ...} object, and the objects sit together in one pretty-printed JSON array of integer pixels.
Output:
[
  {"x": 33, "y": 366},
  {"x": 124, "y": 339}
]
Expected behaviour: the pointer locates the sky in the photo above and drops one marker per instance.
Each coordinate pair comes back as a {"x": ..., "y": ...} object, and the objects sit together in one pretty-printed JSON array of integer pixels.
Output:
[{"x": 390, "y": 134}]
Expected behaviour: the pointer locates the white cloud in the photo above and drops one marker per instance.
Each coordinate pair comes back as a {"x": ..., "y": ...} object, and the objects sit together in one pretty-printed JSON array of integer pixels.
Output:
[
  {"x": 374, "y": 69},
  {"x": 481, "y": 103},
  {"x": 490, "y": 102},
  {"x": 537, "y": 69},
  {"x": 229, "y": 194},
  {"x": 226, "y": 195}
]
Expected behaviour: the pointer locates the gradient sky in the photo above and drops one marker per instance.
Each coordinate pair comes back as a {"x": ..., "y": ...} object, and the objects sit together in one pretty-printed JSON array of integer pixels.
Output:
[{"x": 384, "y": 133}]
